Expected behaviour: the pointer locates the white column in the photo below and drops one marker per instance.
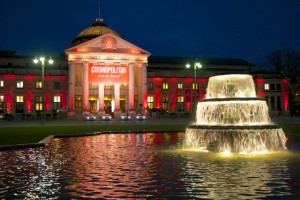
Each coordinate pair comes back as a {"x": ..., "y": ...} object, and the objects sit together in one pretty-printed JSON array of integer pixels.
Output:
[
  {"x": 117, "y": 97},
  {"x": 71, "y": 84},
  {"x": 101, "y": 98},
  {"x": 131, "y": 88},
  {"x": 144, "y": 88},
  {"x": 85, "y": 86}
]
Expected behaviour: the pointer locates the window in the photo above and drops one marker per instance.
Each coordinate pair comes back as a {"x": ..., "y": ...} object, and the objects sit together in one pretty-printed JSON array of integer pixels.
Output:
[
  {"x": 165, "y": 86},
  {"x": 38, "y": 103},
  {"x": 1, "y": 103},
  {"x": 278, "y": 86},
  {"x": 93, "y": 86},
  {"x": 195, "y": 86},
  {"x": 56, "y": 103},
  {"x": 179, "y": 85},
  {"x": 19, "y": 104},
  {"x": 150, "y": 85},
  {"x": 165, "y": 105},
  {"x": 180, "y": 99},
  {"x": 78, "y": 101},
  {"x": 150, "y": 102},
  {"x": 38, "y": 85},
  {"x": 20, "y": 84},
  {"x": 273, "y": 86},
  {"x": 56, "y": 85},
  {"x": 267, "y": 86},
  {"x": 1, "y": 83}
]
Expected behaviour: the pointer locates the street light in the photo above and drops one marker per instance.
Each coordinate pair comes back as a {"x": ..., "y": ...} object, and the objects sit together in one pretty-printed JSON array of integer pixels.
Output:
[
  {"x": 42, "y": 60},
  {"x": 197, "y": 65}
]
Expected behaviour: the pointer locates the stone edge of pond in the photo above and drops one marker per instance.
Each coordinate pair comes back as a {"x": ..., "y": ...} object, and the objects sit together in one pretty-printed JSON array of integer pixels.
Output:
[
  {"x": 41, "y": 143},
  {"x": 48, "y": 139}
]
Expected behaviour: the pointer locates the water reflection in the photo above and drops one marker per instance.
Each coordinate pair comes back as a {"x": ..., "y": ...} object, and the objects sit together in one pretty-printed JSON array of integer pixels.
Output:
[{"x": 143, "y": 166}]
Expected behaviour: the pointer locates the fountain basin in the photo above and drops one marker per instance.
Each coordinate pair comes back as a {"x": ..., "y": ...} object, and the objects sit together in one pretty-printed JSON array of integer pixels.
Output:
[{"x": 235, "y": 139}]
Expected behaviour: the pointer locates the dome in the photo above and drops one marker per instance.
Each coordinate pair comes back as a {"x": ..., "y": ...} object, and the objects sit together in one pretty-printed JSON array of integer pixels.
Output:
[{"x": 98, "y": 28}]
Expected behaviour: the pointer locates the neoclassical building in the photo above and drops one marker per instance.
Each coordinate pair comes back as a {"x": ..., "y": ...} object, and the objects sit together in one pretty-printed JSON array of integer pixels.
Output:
[
  {"x": 106, "y": 73},
  {"x": 103, "y": 73}
]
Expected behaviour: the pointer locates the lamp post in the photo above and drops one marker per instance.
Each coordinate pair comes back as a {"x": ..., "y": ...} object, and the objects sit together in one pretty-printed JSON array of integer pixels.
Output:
[
  {"x": 197, "y": 65},
  {"x": 42, "y": 60}
]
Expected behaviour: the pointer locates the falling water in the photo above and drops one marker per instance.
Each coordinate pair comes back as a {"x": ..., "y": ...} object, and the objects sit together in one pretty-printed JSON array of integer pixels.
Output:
[{"x": 232, "y": 119}]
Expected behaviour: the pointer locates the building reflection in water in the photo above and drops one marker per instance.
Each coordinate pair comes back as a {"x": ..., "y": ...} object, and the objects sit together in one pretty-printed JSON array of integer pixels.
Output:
[{"x": 143, "y": 165}]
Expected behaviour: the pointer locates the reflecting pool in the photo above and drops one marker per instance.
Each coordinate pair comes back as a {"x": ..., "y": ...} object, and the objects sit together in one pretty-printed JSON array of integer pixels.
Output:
[{"x": 150, "y": 165}]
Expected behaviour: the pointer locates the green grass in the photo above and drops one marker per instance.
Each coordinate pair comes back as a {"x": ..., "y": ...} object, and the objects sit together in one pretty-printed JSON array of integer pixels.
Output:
[{"x": 33, "y": 134}]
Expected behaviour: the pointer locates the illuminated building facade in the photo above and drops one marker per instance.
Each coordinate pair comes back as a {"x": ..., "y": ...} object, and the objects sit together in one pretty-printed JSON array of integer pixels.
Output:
[
  {"x": 106, "y": 73},
  {"x": 21, "y": 85},
  {"x": 102, "y": 72},
  {"x": 172, "y": 87}
]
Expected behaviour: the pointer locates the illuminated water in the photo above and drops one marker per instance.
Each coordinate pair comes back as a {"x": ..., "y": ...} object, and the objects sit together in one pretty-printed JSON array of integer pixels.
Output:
[
  {"x": 144, "y": 166},
  {"x": 232, "y": 119}
]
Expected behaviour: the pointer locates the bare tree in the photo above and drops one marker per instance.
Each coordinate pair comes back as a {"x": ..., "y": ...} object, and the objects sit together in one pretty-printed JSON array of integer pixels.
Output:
[{"x": 287, "y": 62}]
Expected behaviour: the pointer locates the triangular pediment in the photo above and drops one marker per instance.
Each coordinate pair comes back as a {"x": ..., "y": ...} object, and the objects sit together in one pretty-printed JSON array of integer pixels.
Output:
[{"x": 107, "y": 43}]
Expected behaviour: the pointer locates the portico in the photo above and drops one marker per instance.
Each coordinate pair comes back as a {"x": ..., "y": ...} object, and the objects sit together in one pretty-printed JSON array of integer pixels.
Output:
[{"x": 107, "y": 74}]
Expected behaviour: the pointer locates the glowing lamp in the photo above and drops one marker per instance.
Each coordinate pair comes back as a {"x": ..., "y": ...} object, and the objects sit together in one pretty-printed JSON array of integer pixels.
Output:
[
  {"x": 35, "y": 61},
  {"x": 198, "y": 65},
  {"x": 50, "y": 61}
]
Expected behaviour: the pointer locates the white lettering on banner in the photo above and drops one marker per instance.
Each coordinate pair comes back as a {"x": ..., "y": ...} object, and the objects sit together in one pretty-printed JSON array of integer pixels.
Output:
[{"x": 109, "y": 70}]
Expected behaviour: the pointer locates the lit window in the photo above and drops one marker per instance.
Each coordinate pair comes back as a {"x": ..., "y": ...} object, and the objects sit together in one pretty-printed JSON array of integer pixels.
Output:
[
  {"x": 1, "y": 83},
  {"x": 56, "y": 103},
  {"x": 56, "y": 99},
  {"x": 1, "y": 103},
  {"x": 38, "y": 84},
  {"x": 165, "y": 86},
  {"x": 20, "y": 99},
  {"x": 179, "y": 85},
  {"x": 150, "y": 102},
  {"x": 20, "y": 84},
  {"x": 267, "y": 86},
  {"x": 19, "y": 104},
  {"x": 165, "y": 104},
  {"x": 38, "y": 103},
  {"x": 180, "y": 99},
  {"x": 195, "y": 86}
]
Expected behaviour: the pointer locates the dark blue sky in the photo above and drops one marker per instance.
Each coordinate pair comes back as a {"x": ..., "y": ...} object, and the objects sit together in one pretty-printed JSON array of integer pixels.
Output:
[{"x": 247, "y": 29}]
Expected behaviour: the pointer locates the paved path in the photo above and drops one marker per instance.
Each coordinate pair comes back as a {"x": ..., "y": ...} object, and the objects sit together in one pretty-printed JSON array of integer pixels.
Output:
[{"x": 79, "y": 119}]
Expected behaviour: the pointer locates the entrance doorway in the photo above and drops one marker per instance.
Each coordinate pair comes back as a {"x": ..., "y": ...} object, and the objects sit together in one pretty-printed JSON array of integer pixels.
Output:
[
  {"x": 107, "y": 104},
  {"x": 122, "y": 104},
  {"x": 93, "y": 104}
]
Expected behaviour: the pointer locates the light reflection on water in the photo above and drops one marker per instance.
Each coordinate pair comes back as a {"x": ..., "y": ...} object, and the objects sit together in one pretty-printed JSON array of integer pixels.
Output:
[{"x": 144, "y": 166}]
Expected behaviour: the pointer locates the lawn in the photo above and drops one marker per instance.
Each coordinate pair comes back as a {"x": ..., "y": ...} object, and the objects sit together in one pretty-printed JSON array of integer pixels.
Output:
[{"x": 33, "y": 134}]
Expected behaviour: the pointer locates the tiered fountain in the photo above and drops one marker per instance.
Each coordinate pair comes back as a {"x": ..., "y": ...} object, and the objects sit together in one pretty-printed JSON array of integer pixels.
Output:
[{"x": 232, "y": 119}]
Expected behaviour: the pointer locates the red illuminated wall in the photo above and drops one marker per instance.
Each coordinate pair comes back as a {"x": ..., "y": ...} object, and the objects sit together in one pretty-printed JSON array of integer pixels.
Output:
[
  {"x": 260, "y": 87},
  {"x": 285, "y": 94},
  {"x": 29, "y": 91},
  {"x": 174, "y": 92}
]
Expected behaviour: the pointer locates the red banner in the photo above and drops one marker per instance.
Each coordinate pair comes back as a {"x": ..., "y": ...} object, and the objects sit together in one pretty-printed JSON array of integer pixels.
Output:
[{"x": 109, "y": 73}]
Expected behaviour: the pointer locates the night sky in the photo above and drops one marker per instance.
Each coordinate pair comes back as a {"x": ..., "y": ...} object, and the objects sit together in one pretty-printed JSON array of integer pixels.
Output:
[{"x": 246, "y": 29}]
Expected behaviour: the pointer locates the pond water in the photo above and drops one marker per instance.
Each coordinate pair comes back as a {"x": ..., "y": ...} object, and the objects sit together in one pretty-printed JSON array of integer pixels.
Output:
[{"x": 145, "y": 166}]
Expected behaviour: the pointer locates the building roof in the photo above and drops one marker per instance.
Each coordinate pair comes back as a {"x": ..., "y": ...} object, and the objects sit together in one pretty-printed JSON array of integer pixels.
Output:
[
  {"x": 97, "y": 29},
  {"x": 203, "y": 61}
]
